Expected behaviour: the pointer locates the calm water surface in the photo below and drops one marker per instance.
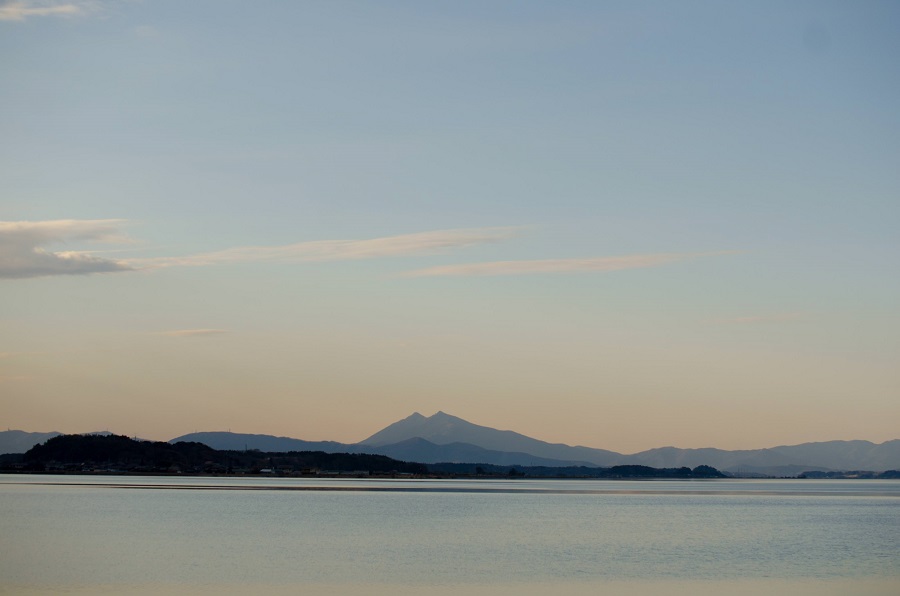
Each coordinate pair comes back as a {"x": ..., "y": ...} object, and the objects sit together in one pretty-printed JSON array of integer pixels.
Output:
[{"x": 107, "y": 534}]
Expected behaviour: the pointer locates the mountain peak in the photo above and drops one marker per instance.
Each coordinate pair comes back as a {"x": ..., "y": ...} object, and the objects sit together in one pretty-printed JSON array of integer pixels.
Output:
[{"x": 440, "y": 415}]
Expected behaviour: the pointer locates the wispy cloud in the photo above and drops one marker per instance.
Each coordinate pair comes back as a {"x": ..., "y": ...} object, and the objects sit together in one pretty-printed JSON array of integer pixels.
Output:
[
  {"x": 534, "y": 267},
  {"x": 192, "y": 332},
  {"x": 22, "y": 252},
  {"x": 421, "y": 243},
  {"x": 19, "y": 10}
]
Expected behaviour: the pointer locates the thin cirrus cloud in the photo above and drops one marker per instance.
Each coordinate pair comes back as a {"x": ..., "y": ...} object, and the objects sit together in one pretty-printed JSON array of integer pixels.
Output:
[
  {"x": 421, "y": 243},
  {"x": 544, "y": 266},
  {"x": 23, "y": 253},
  {"x": 19, "y": 10}
]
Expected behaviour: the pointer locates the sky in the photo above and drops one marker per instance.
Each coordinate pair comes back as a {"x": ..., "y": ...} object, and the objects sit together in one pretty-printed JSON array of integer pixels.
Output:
[{"x": 623, "y": 225}]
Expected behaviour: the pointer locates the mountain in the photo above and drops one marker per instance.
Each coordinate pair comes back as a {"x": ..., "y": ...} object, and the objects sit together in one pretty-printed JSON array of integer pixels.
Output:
[
  {"x": 443, "y": 429},
  {"x": 228, "y": 441},
  {"x": 426, "y": 452},
  {"x": 19, "y": 441},
  {"x": 728, "y": 460},
  {"x": 847, "y": 455}
]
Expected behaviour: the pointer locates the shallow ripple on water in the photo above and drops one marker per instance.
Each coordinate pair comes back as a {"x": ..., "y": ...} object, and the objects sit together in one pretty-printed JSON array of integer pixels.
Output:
[{"x": 406, "y": 537}]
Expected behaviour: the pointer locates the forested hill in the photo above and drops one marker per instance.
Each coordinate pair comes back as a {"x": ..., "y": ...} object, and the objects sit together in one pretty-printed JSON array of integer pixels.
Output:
[{"x": 119, "y": 453}]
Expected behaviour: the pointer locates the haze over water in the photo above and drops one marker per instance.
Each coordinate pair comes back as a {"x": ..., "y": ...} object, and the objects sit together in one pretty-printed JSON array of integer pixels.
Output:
[{"x": 177, "y": 535}]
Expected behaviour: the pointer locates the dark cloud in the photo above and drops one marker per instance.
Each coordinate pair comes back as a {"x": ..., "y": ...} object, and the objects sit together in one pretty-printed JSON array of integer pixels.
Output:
[{"x": 22, "y": 252}]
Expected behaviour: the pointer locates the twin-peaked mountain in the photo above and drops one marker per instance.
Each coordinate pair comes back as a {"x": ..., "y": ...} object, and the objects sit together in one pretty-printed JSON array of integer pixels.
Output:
[
  {"x": 444, "y": 438},
  {"x": 449, "y": 431}
]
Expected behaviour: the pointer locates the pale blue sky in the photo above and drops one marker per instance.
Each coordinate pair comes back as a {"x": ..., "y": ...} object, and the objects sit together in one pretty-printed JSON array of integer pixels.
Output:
[{"x": 716, "y": 184}]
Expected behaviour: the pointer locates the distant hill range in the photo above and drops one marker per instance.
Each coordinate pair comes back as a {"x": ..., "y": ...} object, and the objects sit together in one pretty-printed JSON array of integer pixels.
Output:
[
  {"x": 443, "y": 438},
  {"x": 228, "y": 441},
  {"x": 19, "y": 441}
]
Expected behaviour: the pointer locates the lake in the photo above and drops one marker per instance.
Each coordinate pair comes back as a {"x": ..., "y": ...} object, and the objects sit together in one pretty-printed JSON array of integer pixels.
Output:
[{"x": 152, "y": 535}]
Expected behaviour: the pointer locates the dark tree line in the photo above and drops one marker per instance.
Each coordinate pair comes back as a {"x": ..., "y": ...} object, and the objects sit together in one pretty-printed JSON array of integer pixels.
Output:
[
  {"x": 125, "y": 454},
  {"x": 614, "y": 472}
]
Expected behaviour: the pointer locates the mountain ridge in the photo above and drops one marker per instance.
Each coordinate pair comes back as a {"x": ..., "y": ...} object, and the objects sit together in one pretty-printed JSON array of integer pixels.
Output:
[
  {"x": 20, "y": 441},
  {"x": 240, "y": 441},
  {"x": 444, "y": 438}
]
